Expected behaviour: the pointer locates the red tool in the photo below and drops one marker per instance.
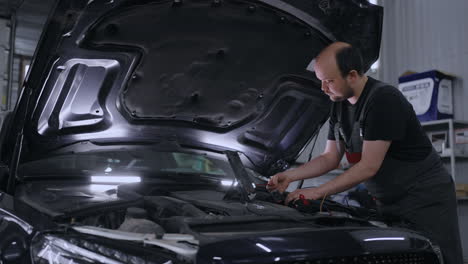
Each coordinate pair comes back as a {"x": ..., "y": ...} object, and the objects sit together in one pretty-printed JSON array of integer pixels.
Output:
[{"x": 303, "y": 199}]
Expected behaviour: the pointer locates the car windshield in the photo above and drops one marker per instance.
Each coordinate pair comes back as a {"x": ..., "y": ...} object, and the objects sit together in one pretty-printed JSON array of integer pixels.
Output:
[{"x": 145, "y": 163}]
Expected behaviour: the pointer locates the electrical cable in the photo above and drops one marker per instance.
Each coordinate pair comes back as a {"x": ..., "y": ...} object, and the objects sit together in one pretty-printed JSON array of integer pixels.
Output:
[
  {"x": 301, "y": 182},
  {"x": 315, "y": 141},
  {"x": 323, "y": 199}
]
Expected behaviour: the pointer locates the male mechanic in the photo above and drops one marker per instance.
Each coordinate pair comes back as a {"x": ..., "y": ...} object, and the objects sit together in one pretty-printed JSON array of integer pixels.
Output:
[{"x": 377, "y": 128}]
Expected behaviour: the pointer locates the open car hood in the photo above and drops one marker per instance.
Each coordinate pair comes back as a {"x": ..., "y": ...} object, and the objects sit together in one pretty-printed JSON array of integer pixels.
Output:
[{"x": 219, "y": 75}]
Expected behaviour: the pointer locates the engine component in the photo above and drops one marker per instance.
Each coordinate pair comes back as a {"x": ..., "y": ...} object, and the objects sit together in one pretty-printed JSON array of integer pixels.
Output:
[{"x": 136, "y": 222}]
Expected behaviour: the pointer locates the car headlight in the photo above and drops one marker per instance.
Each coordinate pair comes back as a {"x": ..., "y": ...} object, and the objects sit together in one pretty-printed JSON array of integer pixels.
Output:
[
  {"x": 54, "y": 250},
  {"x": 50, "y": 249}
]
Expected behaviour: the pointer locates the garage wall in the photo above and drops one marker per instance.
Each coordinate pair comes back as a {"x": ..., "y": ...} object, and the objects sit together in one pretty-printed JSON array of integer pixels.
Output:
[
  {"x": 4, "y": 49},
  {"x": 30, "y": 19},
  {"x": 421, "y": 35}
]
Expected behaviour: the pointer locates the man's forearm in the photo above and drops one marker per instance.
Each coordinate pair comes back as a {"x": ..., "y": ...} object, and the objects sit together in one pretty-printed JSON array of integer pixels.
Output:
[
  {"x": 350, "y": 178},
  {"x": 314, "y": 168}
]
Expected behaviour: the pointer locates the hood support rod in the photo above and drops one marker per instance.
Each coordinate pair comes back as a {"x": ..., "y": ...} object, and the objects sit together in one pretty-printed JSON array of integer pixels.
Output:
[{"x": 245, "y": 184}]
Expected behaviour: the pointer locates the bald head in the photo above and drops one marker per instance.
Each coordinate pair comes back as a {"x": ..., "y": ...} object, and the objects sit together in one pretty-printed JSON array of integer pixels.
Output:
[
  {"x": 331, "y": 50},
  {"x": 341, "y": 56}
]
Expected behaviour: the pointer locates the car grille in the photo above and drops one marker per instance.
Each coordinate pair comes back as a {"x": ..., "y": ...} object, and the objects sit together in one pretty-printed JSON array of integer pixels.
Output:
[{"x": 408, "y": 258}]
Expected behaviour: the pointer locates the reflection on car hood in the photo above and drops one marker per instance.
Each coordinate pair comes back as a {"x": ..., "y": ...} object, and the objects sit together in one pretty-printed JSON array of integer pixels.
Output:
[{"x": 213, "y": 74}]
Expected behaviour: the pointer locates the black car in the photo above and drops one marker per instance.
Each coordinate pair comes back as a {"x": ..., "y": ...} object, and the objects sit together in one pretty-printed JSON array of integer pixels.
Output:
[{"x": 146, "y": 130}]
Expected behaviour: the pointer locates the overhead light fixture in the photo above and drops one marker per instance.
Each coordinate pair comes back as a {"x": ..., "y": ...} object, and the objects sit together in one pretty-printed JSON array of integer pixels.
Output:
[
  {"x": 384, "y": 239},
  {"x": 115, "y": 179},
  {"x": 228, "y": 183}
]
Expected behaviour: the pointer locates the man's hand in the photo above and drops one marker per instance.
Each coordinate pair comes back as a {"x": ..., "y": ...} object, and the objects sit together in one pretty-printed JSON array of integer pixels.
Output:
[
  {"x": 278, "y": 182},
  {"x": 309, "y": 193}
]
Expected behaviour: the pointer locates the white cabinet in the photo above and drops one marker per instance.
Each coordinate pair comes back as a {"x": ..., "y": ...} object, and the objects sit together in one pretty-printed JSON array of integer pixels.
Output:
[{"x": 449, "y": 149}]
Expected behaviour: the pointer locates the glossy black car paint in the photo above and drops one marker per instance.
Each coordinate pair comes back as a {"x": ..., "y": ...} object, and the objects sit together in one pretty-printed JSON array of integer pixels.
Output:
[
  {"x": 272, "y": 234},
  {"x": 93, "y": 64}
]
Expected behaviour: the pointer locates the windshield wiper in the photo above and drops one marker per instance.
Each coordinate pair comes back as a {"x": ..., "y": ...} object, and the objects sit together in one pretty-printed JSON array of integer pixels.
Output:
[{"x": 245, "y": 184}]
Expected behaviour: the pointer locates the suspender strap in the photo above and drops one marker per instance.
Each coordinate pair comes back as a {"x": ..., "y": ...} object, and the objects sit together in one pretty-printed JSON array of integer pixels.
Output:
[{"x": 337, "y": 109}]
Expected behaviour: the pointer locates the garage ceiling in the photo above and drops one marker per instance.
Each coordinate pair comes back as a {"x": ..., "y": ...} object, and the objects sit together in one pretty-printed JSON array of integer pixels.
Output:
[
  {"x": 6, "y": 6},
  {"x": 31, "y": 16}
]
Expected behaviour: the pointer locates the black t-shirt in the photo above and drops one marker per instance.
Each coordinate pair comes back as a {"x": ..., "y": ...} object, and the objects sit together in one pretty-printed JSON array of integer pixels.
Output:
[{"x": 389, "y": 116}]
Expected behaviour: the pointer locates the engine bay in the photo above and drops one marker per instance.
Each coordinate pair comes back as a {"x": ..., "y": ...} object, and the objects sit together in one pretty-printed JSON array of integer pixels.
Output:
[{"x": 160, "y": 209}]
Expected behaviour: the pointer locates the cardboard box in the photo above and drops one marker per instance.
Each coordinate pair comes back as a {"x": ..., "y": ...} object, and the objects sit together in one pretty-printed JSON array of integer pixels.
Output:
[
  {"x": 461, "y": 136},
  {"x": 461, "y": 187},
  {"x": 430, "y": 94},
  {"x": 438, "y": 140}
]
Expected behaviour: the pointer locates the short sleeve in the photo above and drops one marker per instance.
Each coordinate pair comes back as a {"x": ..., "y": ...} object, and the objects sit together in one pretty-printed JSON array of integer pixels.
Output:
[
  {"x": 386, "y": 117},
  {"x": 331, "y": 123}
]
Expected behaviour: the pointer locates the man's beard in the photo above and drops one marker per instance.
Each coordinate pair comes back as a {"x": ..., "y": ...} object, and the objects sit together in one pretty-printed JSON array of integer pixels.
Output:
[{"x": 339, "y": 98}]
